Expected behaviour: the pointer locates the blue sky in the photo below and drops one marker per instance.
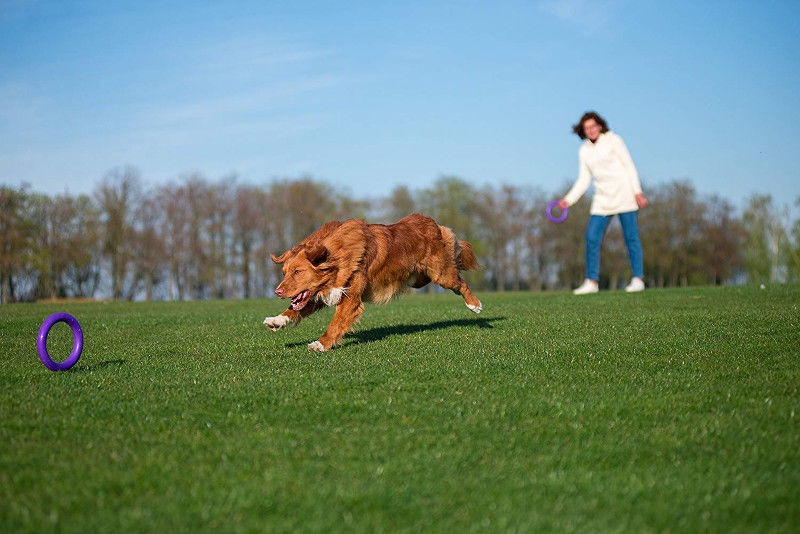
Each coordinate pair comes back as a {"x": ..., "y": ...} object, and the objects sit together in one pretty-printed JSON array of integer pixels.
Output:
[{"x": 370, "y": 95}]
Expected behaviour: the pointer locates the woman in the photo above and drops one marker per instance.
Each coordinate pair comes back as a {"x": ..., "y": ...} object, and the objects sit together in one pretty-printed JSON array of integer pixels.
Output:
[{"x": 604, "y": 156}]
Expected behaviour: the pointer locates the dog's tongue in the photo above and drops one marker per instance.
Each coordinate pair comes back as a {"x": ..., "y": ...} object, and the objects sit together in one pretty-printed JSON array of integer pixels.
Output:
[{"x": 299, "y": 300}]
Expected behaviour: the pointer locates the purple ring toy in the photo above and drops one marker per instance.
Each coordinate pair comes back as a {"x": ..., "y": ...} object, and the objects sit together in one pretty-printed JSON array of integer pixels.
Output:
[
  {"x": 77, "y": 345},
  {"x": 561, "y": 218}
]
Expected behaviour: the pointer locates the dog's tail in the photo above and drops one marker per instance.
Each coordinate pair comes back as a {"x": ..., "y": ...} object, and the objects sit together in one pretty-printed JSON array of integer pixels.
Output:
[{"x": 465, "y": 257}]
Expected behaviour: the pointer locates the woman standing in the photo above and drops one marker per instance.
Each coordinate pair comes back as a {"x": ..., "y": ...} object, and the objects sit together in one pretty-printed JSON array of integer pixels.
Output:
[{"x": 604, "y": 157}]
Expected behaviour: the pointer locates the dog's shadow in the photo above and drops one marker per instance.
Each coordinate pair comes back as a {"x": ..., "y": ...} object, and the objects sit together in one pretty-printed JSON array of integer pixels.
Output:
[{"x": 382, "y": 332}]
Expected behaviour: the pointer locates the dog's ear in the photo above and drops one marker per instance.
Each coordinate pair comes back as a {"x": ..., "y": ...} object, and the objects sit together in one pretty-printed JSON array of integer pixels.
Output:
[
  {"x": 316, "y": 254},
  {"x": 281, "y": 258}
]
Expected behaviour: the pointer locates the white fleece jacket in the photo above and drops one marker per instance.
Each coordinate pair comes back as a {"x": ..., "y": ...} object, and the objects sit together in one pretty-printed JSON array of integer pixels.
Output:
[{"x": 616, "y": 181}]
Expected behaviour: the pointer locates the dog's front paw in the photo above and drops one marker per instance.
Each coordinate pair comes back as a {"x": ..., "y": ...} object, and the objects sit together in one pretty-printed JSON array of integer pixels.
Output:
[
  {"x": 277, "y": 322},
  {"x": 316, "y": 346},
  {"x": 476, "y": 309}
]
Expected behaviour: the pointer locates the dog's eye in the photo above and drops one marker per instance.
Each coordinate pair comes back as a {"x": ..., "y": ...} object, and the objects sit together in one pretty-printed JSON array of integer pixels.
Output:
[{"x": 297, "y": 271}]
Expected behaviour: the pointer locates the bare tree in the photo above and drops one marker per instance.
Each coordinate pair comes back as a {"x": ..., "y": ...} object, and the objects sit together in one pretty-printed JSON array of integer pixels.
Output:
[
  {"x": 117, "y": 196},
  {"x": 218, "y": 210},
  {"x": 563, "y": 250},
  {"x": 505, "y": 221},
  {"x": 196, "y": 198},
  {"x": 17, "y": 230},
  {"x": 724, "y": 242},
  {"x": 538, "y": 275},
  {"x": 249, "y": 218},
  {"x": 397, "y": 205},
  {"x": 674, "y": 233},
  {"x": 68, "y": 246},
  {"x": 149, "y": 250}
]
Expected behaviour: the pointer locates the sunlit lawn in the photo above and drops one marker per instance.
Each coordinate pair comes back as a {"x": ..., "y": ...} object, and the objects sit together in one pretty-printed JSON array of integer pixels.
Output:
[{"x": 671, "y": 410}]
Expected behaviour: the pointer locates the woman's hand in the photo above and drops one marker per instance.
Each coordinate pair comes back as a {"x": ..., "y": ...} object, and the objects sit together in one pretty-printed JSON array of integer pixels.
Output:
[
  {"x": 563, "y": 204},
  {"x": 641, "y": 201}
]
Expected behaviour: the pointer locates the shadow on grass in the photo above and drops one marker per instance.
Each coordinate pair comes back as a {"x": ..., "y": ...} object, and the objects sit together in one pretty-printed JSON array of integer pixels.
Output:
[
  {"x": 382, "y": 332},
  {"x": 96, "y": 366}
]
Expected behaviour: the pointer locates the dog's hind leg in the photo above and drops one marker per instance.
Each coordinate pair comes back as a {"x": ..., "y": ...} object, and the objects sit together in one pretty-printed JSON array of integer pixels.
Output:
[
  {"x": 444, "y": 267},
  {"x": 470, "y": 299},
  {"x": 453, "y": 281}
]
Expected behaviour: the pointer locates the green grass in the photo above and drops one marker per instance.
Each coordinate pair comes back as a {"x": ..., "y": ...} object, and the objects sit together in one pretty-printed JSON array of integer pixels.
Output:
[{"x": 672, "y": 410}]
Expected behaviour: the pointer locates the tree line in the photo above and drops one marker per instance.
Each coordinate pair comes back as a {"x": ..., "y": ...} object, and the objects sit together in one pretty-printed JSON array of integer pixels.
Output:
[{"x": 200, "y": 239}]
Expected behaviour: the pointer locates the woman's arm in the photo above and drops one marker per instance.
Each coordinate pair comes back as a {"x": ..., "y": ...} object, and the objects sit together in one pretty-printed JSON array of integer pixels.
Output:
[{"x": 579, "y": 187}]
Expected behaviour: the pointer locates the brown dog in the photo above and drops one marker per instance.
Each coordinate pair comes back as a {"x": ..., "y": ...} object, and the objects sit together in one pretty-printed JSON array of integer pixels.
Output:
[{"x": 345, "y": 264}]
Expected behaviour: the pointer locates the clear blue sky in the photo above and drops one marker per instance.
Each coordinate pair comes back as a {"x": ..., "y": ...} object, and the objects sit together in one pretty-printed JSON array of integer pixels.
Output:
[{"x": 370, "y": 95}]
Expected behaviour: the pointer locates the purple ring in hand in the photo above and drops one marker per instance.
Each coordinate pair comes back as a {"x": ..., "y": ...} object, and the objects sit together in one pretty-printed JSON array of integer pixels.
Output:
[
  {"x": 77, "y": 345},
  {"x": 561, "y": 218}
]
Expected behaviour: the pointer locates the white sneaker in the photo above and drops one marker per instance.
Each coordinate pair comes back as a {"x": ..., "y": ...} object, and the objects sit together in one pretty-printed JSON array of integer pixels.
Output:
[
  {"x": 636, "y": 285},
  {"x": 588, "y": 286}
]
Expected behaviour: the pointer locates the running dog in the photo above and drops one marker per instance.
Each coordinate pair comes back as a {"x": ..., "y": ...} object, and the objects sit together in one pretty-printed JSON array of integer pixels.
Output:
[{"x": 345, "y": 264}]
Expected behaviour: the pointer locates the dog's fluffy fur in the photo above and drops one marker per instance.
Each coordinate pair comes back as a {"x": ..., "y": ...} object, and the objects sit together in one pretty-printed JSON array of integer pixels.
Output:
[{"x": 345, "y": 264}]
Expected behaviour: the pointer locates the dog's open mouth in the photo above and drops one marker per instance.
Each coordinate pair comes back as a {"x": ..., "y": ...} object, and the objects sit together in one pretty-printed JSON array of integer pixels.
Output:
[{"x": 300, "y": 300}]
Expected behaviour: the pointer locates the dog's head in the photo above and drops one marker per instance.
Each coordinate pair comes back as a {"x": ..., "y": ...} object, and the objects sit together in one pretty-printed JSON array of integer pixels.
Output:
[{"x": 307, "y": 274}]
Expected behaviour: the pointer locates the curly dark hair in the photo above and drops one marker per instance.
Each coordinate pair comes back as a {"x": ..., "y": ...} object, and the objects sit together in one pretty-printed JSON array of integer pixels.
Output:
[{"x": 578, "y": 128}]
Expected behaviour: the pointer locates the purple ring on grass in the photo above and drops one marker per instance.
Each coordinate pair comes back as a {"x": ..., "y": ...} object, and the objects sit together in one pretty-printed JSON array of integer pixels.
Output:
[
  {"x": 77, "y": 344},
  {"x": 561, "y": 218}
]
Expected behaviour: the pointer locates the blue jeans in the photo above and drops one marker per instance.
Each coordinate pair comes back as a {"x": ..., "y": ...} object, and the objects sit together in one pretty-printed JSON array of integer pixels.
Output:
[{"x": 594, "y": 237}]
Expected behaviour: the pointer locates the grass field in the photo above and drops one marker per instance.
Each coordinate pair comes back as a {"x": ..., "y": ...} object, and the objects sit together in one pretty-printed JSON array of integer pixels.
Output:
[{"x": 672, "y": 410}]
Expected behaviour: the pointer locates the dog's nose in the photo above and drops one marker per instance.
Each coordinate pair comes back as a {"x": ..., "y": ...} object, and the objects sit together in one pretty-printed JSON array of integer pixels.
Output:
[{"x": 279, "y": 292}]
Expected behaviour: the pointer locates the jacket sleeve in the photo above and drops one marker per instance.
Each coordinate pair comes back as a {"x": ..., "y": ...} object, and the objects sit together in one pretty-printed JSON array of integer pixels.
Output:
[{"x": 581, "y": 184}]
